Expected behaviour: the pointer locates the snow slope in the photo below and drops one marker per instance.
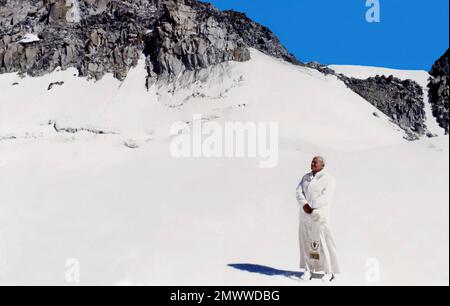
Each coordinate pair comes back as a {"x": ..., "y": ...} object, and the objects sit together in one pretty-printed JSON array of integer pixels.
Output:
[
  {"x": 141, "y": 216},
  {"x": 420, "y": 76},
  {"x": 302, "y": 100}
]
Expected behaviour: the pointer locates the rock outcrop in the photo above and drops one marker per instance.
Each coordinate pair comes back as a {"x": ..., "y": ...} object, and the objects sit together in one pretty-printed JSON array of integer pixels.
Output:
[
  {"x": 189, "y": 35},
  {"x": 109, "y": 36},
  {"x": 439, "y": 91},
  {"x": 95, "y": 36},
  {"x": 401, "y": 100}
]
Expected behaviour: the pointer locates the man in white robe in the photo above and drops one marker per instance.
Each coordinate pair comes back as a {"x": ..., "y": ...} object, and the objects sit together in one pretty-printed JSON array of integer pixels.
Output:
[{"x": 317, "y": 246}]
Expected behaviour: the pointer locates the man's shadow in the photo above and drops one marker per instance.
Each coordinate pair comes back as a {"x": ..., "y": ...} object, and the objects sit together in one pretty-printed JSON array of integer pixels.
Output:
[{"x": 268, "y": 271}]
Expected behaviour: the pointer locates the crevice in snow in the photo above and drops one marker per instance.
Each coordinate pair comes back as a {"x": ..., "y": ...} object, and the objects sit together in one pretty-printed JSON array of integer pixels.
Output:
[
  {"x": 53, "y": 84},
  {"x": 74, "y": 130},
  {"x": 8, "y": 137},
  {"x": 131, "y": 144}
]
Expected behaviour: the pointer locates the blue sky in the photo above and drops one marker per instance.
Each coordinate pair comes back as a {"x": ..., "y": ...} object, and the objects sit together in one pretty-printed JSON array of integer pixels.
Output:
[{"x": 411, "y": 34}]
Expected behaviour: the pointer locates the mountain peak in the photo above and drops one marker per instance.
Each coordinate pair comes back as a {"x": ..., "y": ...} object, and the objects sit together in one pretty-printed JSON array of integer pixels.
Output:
[{"x": 109, "y": 36}]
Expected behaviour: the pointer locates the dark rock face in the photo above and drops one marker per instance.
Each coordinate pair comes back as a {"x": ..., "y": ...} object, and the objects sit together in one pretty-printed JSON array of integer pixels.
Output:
[
  {"x": 256, "y": 36},
  {"x": 109, "y": 36},
  {"x": 319, "y": 67},
  {"x": 190, "y": 35},
  {"x": 95, "y": 36},
  {"x": 439, "y": 91},
  {"x": 401, "y": 100},
  {"x": 186, "y": 37}
]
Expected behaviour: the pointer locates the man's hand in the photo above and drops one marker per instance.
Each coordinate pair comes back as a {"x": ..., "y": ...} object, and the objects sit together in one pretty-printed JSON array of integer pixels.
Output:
[{"x": 307, "y": 209}]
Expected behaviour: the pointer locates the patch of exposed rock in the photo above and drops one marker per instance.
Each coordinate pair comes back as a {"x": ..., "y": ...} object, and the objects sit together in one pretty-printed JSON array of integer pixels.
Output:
[
  {"x": 439, "y": 91},
  {"x": 401, "y": 100}
]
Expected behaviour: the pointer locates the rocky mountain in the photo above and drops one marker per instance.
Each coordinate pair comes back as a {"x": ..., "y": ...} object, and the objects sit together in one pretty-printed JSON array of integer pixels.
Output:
[
  {"x": 439, "y": 91},
  {"x": 96, "y": 37},
  {"x": 401, "y": 100},
  {"x": 108, "y": 36}
]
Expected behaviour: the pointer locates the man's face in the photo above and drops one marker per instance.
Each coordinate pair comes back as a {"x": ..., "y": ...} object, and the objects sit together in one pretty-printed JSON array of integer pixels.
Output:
[{"x": 317, "y": 165}]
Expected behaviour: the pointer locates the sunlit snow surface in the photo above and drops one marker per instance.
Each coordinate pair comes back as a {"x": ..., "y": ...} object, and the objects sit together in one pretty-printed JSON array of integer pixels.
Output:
[{"x": 141, "y": 216}]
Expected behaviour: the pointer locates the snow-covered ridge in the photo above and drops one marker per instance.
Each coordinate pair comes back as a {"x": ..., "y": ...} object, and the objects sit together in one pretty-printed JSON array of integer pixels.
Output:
[
  {"x": 311, "y": 107},
  {"x": 364, "y": 72}
]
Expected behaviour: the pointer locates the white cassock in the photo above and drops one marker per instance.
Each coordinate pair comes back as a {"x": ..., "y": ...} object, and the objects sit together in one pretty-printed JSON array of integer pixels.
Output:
[{"x": 317, "y": 246}]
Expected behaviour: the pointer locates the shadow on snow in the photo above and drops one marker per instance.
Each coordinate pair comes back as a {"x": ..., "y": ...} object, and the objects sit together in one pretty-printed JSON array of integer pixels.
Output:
[{"x": 268, "y": 271}]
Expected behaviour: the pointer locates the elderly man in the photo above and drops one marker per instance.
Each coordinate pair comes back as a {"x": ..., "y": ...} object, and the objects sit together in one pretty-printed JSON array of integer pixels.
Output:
[{"x": 317, "y": 247}]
